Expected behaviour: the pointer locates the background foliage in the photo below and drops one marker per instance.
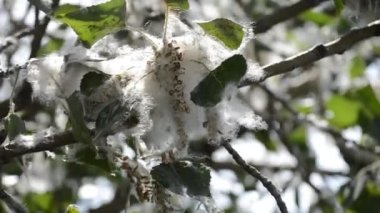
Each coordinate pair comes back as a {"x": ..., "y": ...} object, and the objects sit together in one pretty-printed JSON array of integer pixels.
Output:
[{"x": 323, "y": 116}]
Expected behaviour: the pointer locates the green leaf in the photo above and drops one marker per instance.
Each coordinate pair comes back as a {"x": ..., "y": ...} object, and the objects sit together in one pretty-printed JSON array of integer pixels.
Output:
[
  {"x": 13, "y": 168},
  {"x": 93, "y": 23},
  {"x": 91, "y": 81},
  {"x": 345, "y": 111},
  {"x": 264, "y": 137},
  {"x": 76, "y": 117},
  {"x": 53, "y": 45},
  {"x": 376, "y": 50},
  {"x": 369, "y": 100},
  {"x": 183, "y": 176},
  {"x": 177, "y": 4},
  {"x": 88, "y": 156},
  {"x": 52, "y": 201},
  {"x": 369, "y": 115},
  {"x": 326, "y": 206},
  {"x": 367, "y": 200},
  {"x": 14, "y": 126},
  {"x": 298, "y": 137},
  {"x": 43, "y": 202},
  {"x": 72, "y": 209},
  {"x": 357, "y": 67},
  {"x": 66, "y": 9},
  {"x": 81, "y": 170},
  {"x": 227, "y": 31},
  {"x": 320, "y": 19},
  {"x": 131, "y": 142},
  {"x": 339, "y": 6},
  {"x": 343, "y": 25},
  {"x": 210, "y": 90},
  {"x": 115, "y": 115},
  {"x": 305, "y": 109},
  {"x": 2, "y": 208}
]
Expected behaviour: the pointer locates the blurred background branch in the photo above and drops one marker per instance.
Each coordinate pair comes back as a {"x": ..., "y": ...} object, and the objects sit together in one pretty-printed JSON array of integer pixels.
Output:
[{"x": 338, "y": 46}]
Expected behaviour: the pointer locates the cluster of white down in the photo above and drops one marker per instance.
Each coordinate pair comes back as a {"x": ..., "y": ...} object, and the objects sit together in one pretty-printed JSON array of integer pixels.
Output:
[
  {"x": 168, "y": 119},
  {"x": 364, "y": 11}
]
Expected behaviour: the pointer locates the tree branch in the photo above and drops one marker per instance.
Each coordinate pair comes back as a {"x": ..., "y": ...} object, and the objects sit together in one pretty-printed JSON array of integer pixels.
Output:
[
  {"x": 39, "y": 32},
  {"x": 9, "y": 151},
  {"x": 11, "y": 39},
  {"x": 266, "y": 22},
  {"x": 256, "y": 173},
  {"x": 274, "y": 168},
  {"x": 40, "y": 29},
  {"x": 339, "y": 46},
  {"x": 12, "y": 203}
]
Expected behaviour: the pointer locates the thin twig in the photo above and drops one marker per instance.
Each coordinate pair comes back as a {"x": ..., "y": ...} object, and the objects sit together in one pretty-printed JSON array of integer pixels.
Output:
[
  {"x": 256, "y": 173},
  {"x": 12, "y": 203},
  {"x": 40, "y": 29},
  {"x": 39, "y": 33},
  {"x": 13, "y": 150},
  {"x": 275, "y": 168},
  {"x": 10, "y": 40},
  {"x": 12, "y": 70},
  {"x": 338, "y": 46},
  {"x": 266, "y": 22}
]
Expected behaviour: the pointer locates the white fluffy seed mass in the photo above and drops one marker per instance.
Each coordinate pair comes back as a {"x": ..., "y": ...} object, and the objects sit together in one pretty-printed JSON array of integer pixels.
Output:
[
  {"x": 44, "y": 74},
  {"x": 163, "y": 74}
]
